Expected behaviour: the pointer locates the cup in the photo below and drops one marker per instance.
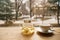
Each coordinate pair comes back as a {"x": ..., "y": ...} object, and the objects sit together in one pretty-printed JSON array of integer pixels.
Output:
[{"x": 45, "y": 28}]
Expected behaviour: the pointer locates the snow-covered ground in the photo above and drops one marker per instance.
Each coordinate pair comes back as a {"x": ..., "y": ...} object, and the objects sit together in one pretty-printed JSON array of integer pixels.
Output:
[
  {"x": 2, "y": 22},
  {"x": 36, "y": 21},
  {"x": 18, "y": 22}
]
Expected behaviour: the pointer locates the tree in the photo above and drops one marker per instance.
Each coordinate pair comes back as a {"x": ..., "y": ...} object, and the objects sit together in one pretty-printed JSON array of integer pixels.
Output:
[
  {"x": 5, "y": 10},
  {"x": 55, "y": 2},
  {"x": 5, "y": 6},
  {"x": 52, "y": 1},
  {"x": 18, "y": 4}
]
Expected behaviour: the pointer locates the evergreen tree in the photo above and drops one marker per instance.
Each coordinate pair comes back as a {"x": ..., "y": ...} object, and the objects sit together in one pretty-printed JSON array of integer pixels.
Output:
[{"x": 5, "y": 10}]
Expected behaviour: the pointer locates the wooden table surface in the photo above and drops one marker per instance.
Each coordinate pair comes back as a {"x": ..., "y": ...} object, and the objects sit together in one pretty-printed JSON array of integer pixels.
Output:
[{"x": 14, "y": 33}]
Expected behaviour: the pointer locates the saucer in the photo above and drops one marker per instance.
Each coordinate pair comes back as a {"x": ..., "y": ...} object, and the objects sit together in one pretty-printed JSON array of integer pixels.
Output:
[{"x": 49, "y": 31}]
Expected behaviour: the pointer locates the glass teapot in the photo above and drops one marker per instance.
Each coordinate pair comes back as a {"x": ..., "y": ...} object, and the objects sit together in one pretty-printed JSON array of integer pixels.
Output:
[{"x": 27, "y": 28}]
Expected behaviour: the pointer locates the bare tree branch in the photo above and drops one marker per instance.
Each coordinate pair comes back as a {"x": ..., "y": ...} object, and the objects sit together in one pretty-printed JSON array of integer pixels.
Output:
[{"x": 20, "y": 5}]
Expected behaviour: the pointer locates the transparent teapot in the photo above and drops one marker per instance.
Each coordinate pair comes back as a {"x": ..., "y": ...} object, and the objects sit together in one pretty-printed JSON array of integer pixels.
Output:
[{"x": 27, "y": 28}]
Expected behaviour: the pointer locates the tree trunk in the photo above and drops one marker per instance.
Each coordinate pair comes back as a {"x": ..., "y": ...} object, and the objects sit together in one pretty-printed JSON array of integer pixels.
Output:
[
  {"x": 30, "y": 9},
  {"x": 58, "y": 14},
  {"x": 16, "y": 8}
]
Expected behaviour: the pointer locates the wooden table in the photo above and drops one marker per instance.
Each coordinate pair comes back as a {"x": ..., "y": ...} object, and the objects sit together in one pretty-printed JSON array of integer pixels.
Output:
[{"x": 14, "y": 33}]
